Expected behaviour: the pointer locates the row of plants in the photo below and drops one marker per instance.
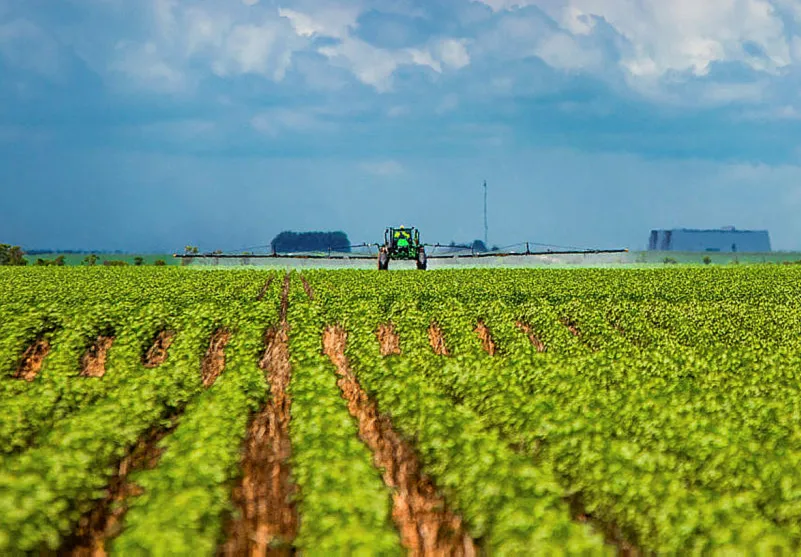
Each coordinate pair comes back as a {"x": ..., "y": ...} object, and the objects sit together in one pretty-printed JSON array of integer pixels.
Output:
[
  {"x": 655, "y": 408},
  {"x": 83, "y": 426},
  {"x": 509, "y": 504},
  {"x": 343, "y": 504},
  {"x": 187, "y": 495},
  {"x": 708, "y": 420}
]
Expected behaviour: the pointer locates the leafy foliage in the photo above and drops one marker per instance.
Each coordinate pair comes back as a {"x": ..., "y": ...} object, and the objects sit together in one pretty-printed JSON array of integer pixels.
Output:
[{"x": 656, "y": 407}]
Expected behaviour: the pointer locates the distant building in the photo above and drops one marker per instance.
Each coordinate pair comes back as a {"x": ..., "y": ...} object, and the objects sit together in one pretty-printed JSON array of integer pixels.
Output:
[{"x": 725, "y": 239}]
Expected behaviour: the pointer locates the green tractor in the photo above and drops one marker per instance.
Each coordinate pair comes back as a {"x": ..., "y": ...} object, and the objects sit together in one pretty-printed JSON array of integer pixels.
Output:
[{"x": 404, "y": 244}]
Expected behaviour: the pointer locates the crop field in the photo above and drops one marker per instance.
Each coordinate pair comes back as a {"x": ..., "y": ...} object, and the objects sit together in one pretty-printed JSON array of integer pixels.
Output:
[{"x": 170, "y": 411}]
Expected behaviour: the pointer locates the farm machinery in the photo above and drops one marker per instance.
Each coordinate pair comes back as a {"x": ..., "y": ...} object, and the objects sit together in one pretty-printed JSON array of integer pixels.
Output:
[{"x": 402, "y": 244}]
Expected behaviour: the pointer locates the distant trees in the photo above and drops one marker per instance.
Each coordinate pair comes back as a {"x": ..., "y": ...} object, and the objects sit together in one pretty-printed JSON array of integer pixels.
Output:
[
  {"x": 288, "y": 241},
  {"x": 139, "y": 261},
  {"x": 159, "y": 263},
  {"x": 57, "y": 262},
  {"x": 12, "y": 255},
  {"x": 479, "y": 246},
  {"x": 90, "y": 260},
  {"x": 189, "y": 250}
]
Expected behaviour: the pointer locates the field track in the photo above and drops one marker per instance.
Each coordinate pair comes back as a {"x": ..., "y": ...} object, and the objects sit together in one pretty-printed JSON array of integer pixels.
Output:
[{"x": 473, "y": 412}]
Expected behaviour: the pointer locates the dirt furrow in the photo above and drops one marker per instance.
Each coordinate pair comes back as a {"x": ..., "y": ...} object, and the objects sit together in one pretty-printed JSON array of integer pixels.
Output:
[
  {"x": 104, "y": 522},
  {"x": 307, "y": 287},
  {"x": 388, "y": 339},
  {"x": 610, "y": 531},
  {"x": 267, "y": 521},
  {"x": 535, "y": 340},
  {"x": 264, "y": 289},
  {"x": 437, "y": 340},
  {"x": 214, "y": 360},
  {"x": 158, "y": 352},
  {"x": 571, "y": 325},
  {"x": 32, "y": 360},
  {"x": 484, "y": 335},
  {"x": 93, "y": 363},
  {"x": 425, "y": 525}
]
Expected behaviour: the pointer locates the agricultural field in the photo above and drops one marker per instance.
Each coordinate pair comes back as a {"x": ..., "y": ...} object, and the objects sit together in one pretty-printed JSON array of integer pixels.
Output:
[{"x": 171, "y": 411}]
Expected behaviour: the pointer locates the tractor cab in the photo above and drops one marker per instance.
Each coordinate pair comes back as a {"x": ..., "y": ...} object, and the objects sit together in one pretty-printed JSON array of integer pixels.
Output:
[
  {"x": 401, "y": 240},
  {"x": 402, "y": 243}
]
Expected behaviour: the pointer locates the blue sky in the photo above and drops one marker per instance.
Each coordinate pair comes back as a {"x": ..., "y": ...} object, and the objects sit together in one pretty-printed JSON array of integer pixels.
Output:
[{"x": 151, "y": 124}]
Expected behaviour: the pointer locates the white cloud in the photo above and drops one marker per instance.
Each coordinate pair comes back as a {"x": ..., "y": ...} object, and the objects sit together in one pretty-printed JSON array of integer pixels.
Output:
[
  {"x": 680, "y": 35},
  {"x": 184, "y": 40},
  {"x": 653, "y": 46},
  {"x": 252, "y": 49},
  {"x": 374, "y": 66},
  {"x": 371, "y": 65},
  {"x": 453, "y": 53},
  {"x": 327, "y": 21},
  {"x": 561, "y": 50},
  {"x": 382, "y": 168}
]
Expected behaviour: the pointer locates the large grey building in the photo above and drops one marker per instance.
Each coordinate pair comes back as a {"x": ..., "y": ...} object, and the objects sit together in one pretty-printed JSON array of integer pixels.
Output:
[{"x": 726, "y": 239}]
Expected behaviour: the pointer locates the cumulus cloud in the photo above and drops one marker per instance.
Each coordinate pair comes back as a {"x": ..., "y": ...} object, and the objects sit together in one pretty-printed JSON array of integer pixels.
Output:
[
  {"x": 679, "y": 52},
  {"x": 375, "y": 66},
  {"x": 327, "y": 21},
  {"x": 453, "y": 53},
  {"x": 563, "y": 51},
  {"x": 681, "y": 35}
]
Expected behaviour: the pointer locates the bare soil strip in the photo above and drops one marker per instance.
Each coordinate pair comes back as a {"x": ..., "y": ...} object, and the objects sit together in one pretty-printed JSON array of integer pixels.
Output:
[
  {"x": 425, "y": 525},
  {"x": 267, "y": 520},
  {"x": 483, "y": 333},
  {"x": 535, "y": 340},
  {"x": 32, "y": 360},
  {"x": 93, "y": 363},
  {"x": 104, "y": 522},
  {"x": 157, "y": 354},
  {"x": 307, "y": 287},
  {"x": 388, "y": 339},
  {"x": 214, "y": 360},
  {"x": 571, "y": 325},
  {"x": 264, "y": 289},
  {"x": 437, "y": 340}
]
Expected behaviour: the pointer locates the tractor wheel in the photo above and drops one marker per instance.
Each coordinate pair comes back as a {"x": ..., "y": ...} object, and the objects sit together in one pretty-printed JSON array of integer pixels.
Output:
[
  {"x": 383, "y": 261},
  {"x": 422, "y": 262}
]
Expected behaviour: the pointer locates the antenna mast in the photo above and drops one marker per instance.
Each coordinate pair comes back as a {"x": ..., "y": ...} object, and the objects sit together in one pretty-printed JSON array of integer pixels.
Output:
[{"x": 486, "y": 227}]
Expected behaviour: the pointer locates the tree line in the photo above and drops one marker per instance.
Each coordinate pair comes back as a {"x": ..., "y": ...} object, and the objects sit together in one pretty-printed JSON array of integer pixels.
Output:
[{"x": 14, "y": 256}]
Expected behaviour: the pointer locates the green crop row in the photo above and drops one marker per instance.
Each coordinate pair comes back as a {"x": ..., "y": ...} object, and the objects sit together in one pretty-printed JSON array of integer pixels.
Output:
[
  {"x": 344, "y": 506},
  {"x": 659, "y": 409},
  {"x": 507, "y": 502}
]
